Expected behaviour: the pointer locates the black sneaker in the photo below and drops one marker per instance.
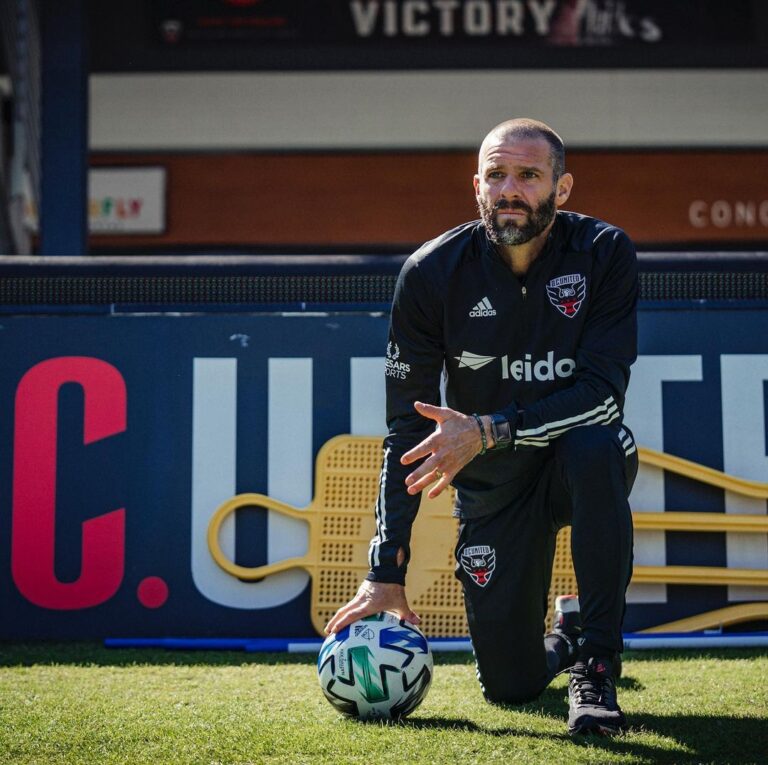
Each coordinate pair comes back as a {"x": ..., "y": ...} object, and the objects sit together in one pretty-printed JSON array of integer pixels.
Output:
[
  {"x": 592, "y": 699},
  {"x": 566, "y": 630}
]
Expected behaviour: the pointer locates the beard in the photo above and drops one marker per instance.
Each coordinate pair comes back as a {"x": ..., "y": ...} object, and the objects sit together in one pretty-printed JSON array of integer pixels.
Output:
[{"x": 512, "y": 232}]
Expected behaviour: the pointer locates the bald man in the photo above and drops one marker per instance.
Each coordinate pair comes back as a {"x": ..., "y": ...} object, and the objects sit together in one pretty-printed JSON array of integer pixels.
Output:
[{"x": 531, "y": 314}]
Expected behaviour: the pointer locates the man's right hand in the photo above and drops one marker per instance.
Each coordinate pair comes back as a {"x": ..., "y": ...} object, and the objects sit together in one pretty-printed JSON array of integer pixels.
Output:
[{"x": 371, "y": 598}]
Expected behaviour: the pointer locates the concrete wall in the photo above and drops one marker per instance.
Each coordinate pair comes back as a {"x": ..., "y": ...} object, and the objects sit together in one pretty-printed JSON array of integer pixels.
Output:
[{"x": 434, "y": 109}]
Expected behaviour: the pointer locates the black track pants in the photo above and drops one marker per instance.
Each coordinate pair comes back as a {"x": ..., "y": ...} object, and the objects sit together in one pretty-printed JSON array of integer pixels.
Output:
[{"x": 504, "y": 560}]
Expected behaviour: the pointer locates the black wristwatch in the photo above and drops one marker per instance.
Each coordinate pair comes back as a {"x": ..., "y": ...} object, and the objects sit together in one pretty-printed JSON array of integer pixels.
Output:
[{"x": 501, "y": 431}]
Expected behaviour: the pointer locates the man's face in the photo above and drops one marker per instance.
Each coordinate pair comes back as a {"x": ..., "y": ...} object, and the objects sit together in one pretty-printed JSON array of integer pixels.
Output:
[{"x": 516, "y": 193}]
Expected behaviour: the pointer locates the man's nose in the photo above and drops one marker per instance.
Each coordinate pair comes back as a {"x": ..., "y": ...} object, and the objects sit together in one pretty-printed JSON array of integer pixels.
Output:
[{"x": 510, "y": 188}]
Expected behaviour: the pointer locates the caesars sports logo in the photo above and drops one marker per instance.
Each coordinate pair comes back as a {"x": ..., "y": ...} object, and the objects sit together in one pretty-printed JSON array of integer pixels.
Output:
[
  {"x": 394, "y": 368},
  {"x": 479, "y": 562}
]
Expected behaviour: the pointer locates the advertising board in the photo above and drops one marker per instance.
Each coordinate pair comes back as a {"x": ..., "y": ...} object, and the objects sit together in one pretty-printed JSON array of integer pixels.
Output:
[{"x": 120, "y": 435}]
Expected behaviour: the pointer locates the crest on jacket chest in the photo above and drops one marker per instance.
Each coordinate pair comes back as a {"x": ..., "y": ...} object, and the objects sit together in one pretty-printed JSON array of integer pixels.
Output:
[{"x": 567, "y": 293}]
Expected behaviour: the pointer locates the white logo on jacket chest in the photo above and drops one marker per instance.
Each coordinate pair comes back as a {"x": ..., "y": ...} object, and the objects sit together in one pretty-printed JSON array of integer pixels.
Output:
[
  {"x": 526, "y": 369},
  {"x": 473, "y": 360},
  {"x": 529, "y": 370},
  {"x": 483, "y": 308}
]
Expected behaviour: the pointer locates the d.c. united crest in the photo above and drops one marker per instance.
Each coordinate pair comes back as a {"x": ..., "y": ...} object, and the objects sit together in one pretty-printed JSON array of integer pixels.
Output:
[
  {"x": 567, "y": 293},
  {"x": 479, "y": 562}
]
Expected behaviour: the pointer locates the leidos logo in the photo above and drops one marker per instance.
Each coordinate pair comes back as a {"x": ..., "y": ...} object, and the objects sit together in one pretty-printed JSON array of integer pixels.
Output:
[
  {"x": 473, "y": 360},
  {"x": 521, "y": 369},
  {"x": 528, "y": 370},
  {"x": 395, "y": 368},
  {"x": 483, "y": 308}
]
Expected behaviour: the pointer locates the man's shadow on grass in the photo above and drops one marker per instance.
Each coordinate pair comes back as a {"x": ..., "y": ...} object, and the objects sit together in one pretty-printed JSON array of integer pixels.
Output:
[{"x": 692, "y": 738}]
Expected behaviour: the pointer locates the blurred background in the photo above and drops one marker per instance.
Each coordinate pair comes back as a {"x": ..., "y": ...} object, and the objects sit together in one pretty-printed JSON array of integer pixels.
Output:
[{"x": 286, "y": 126}]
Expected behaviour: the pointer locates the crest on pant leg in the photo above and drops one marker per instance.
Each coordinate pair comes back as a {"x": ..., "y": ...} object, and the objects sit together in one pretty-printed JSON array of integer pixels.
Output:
[{"x": 479, "y": 562}]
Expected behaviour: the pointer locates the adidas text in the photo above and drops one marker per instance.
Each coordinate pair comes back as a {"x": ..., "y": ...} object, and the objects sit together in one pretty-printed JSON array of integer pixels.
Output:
[{"x": 529, "y": 370}]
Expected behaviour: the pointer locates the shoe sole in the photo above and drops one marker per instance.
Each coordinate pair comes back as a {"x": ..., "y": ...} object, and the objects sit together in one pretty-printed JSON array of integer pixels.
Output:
[{"x": 606, "y": 731}]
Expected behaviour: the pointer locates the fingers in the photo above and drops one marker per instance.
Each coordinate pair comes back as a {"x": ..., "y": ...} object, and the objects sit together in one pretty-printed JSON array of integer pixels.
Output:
[
  {"x": 348, "y": 614},
  {"x": 424, "y": 449},
  {"x": 425, "y": 475},
  {"x": 439, "y": 487},
  {"x": 412, "y": 617},
  {"x": 436, "y": 413},
  {"x": 441, "y": 415},
  {"x": 358, "y": 608},
  {"x": 373, "y": 597}
]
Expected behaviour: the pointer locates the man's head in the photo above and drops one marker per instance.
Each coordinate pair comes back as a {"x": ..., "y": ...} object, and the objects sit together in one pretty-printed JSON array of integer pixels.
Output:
[{"x": 521, "y": 180}]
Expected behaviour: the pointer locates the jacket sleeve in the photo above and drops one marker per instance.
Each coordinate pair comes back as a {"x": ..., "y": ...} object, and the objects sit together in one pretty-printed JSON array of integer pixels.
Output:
[
  {"x": 414, "y": 365},
  {"x": 607, "y": 348}
]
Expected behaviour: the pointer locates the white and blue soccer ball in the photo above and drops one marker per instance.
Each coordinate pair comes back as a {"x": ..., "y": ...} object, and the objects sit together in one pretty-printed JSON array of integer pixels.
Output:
[{"x": 377, "y": 668}]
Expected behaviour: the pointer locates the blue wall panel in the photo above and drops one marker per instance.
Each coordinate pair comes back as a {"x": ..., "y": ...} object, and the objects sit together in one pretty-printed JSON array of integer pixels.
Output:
[{"x": 147, "y": 468}]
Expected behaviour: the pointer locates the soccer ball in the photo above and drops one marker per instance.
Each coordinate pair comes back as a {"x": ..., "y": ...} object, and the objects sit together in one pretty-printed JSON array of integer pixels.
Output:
[{"x": 377, "y": 668}]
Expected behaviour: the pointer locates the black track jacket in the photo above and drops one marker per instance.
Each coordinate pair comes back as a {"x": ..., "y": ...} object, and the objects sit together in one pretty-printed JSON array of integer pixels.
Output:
[{"x": 551, "y": 352}]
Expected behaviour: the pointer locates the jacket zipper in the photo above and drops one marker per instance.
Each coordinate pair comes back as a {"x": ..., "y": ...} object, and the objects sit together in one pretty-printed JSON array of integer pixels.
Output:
[{"x": 525, "y": 312}]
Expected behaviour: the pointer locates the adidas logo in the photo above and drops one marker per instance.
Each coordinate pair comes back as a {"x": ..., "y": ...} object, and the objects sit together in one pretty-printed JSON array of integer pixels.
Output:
[{"x": 483, "y": 308}]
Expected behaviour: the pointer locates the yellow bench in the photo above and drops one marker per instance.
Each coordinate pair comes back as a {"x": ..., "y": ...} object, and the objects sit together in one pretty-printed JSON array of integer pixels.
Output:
[{"x": 341, "y": 524}]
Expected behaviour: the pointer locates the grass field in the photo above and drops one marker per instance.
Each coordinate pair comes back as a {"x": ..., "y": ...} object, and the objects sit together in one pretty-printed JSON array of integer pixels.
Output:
[{"x": 81, "y": 703}]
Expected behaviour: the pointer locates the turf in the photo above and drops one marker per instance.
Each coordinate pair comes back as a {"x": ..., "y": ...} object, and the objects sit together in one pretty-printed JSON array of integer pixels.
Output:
[{"x": 81, "y": 703}]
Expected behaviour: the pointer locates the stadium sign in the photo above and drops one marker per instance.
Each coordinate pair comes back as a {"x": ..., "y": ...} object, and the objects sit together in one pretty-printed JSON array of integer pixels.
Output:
[
  {"x": 120, "y": 436},
  {"x": 121, "y": 200},
  {"x": 455, "y": 34}
]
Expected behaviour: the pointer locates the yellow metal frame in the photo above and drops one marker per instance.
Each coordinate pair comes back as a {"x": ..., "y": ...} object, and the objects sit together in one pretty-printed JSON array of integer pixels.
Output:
[
  {"x": 721, "y": 617},
  {"x": 250, "y": 574},
  {"x": 701, "y": 522},
  {"x": 702, "y": 473},
  {"x": 433, "y": 590}
]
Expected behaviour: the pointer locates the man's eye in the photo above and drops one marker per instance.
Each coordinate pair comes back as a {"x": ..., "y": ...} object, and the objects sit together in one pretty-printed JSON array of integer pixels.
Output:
[
  {"x": 496, "y": 174},
  {"x": 528, "y": 174}
]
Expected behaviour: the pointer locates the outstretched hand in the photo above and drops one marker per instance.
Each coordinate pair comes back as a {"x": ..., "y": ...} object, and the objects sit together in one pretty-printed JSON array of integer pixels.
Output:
[
  {"x": 454, "y": 444},
  {"x": 371, "y": 598}
]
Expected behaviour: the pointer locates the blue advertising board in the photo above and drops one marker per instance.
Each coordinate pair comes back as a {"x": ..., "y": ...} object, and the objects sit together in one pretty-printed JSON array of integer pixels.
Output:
[{"x": 120, "y": 435}]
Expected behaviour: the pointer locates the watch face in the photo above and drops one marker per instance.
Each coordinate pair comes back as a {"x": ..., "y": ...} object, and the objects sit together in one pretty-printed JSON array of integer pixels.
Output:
[{"x": 502, "y": 433}]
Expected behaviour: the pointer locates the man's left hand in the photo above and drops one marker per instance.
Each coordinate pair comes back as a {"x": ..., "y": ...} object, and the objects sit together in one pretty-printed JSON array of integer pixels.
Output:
[{"x": 454, "y": 444}]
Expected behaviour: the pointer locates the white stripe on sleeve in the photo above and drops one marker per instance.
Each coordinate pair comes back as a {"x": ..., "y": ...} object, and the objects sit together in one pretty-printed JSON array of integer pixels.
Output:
[
  {"x": 569, "y": 421},
  {"x": 381, "y": 515},
  {"x": 541, "y": 436}
]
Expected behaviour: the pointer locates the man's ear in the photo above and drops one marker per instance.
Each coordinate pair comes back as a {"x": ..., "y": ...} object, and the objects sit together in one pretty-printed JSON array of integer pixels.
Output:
[
  {"x": 564, "y": 186},
  {"x": 476, "y": 183}
]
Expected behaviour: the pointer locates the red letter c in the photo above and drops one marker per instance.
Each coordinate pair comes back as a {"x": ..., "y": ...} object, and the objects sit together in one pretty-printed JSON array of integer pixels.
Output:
[{"x": 34, "y": 484}]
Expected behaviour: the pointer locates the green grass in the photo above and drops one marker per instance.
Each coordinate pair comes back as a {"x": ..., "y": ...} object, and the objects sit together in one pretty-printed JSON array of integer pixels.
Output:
[{"x": 81, "y": 703}]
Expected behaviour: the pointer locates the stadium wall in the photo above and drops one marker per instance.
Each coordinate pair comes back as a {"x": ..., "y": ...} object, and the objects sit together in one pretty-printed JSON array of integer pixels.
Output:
[
  {"x": 399, "y": 199},
  {"x": 424, "y": 109},
  {"x": 675, "y": 156}
]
